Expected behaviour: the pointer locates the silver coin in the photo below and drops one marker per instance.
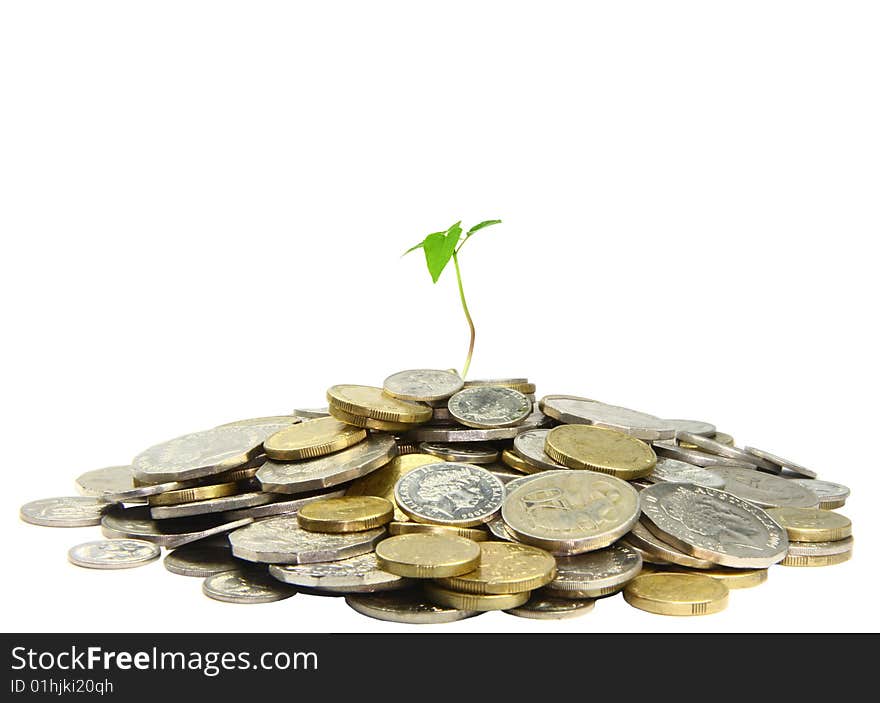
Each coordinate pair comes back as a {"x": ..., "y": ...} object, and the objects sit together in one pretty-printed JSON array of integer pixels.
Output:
[
  {"x": 529, "y": 445},
  {"x": 272, "y": 419},
  {"x": 712, "y": 446},
  {"x": 136, "y": 523},
  {"x": 280, "y": 540},
  {"x": 468, "y": 452},
  {"x": 500, "y": 531},
  {"x": 826, "y": 491},
  {"x": 675, "y": 471},
  {"x": 698, "y": 458},
  {"x": 655, "y": 551},
  {"x": 423, "y": 384},
  {"x": 468, "y": 434},
  {"x": 67, "y": 511},
  {"x": 107, "y": 480},
  {"x": 139, "y": 493},
  {"x": 713, "y": 525},
  {"x": 496, "y": 382},
  {"x": 820, "y": 549},
  {"x": 330, "y": 470},
  {"x": 311, "y": 413},
  {"x": 410, "y": 607},
  {"x": 602, "y": 572},
  {"x": 245, "y": 586},
  {"x": 284, "y": 507},
  {"x": 766, "y": 490},
  {"x": 781, "y": 463},
  {"x": 360, "y": 574},
  {"x": 583, "y": 411},
  {"x": 449, "y": 493},
  {"x": 542, "y": 606},
  {"x": 211, "y": 505},
  {"x": 113, "y": 554},
  {"x": 707, "y": 429},
  {"x": 487, "y": 407},
  {"x": 200, "y": 560}
]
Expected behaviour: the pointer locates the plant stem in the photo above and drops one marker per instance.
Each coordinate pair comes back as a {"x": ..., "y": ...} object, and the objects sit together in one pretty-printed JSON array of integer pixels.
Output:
[{"x": 467, "y": 314}]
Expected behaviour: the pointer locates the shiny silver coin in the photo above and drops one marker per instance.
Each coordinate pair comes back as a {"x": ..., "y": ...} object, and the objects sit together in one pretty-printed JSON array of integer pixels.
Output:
[
  {"x": 529, "y": 445},
  {"x": 675, "y": 471},
  {"x": 781, "y": 463},
  {"x": 542, "y": 606},
  {"x": 67, "y": 511},
  {"x": 272, "y": 419},
  {"x": 211, "y": 505},
  {"x": 698, "y": 458},
  {"x": 360, "y": 574},
  {"x": 330, "y": 470},
  {"x": 707, "y": 429},
  {"x": 280, "y": 540},
  {"x": 136, "y": 523},
  {"x": 410, "y": 607},
  {"x": 285, "y": 507},
  {"x": 572, "y": 410},
  {"x": 246, "y": 586},
  {"x": 713, "y": 525},
  {"x": 467, "y": 452},
  {"x": 820, "y": 549},
  {"x": 487, "y": 407},
  {"x": 712, "y": 446},
  {"x": 449, "y": 493},
  {"x": 829, "y": 494},
  {"x": 200, "y": 560},
  {"x": 311, "y": 413},
  {"x": 766, "y": 490},
  {"x": 655, "y": 551},
  {"x": 602, "y": 572},
  {"x": 422, "y": 384},
  {"x": 107, "y": 480},
  {"x": 113, "y": 554},
  {"x": 468, "y": 434},
  {"x": 499, "y": 530}
]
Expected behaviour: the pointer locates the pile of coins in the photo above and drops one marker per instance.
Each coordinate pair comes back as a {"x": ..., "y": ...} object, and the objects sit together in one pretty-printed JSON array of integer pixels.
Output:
[{"x": 432, "y": 499}]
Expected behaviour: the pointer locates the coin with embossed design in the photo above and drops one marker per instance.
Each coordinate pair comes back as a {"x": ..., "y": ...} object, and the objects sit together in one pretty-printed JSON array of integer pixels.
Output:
[
  {"x": 428, "y": 555},
  {"x": 113, "y": 554},
  {"x": 812, "y": 524},
  {"x": 422, "y": 384},
  {"x": 572, "y": 410},
  {"x": 831, "y": 495},
  {"x": 360, "y": 574},
  {"x": 655, "y": 551},
  {"x": 765, "y": 490},
  {"x": 449, "y": 493},
  {"x": 409, "y": 607},
  {"x": 675, "y": 471},
  {"x": 200, "y": 560},
  {"x": 248, "y": 585},
  {"x": 489, "y": 407},
  {"x": 600, "y": 573},
  {"x": 372, "y": 402},
  {"x": 314, "y": 438},
  {"x": 505, "y": 567},
  {"x": 543, "y": 606},
  {"x": 381, "y": 482},
  {"x": 600, "y": 449},
  {"x": 66, "y": 511},
  {"x": 111, "y": 479},
  {"x": 471, "y": 434},
  {"x": 346, "y": 514},
  {"x": 529, "y": 445}
]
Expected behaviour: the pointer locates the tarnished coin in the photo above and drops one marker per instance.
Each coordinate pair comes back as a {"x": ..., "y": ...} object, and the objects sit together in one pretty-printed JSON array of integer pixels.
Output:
[
  {"x": 675, "y": 471},
  {"x": 517, "y": 463},
  {"x": 698, "y": 458},
  {"x": 600, "y": 449},
  {"x": 474, "y": 601},
  {"x": 210, "y": 506},
  {"x": 136, "y": 523},
  {"x": 676, "y": 594},
  {"x": 467, "y": 452},
  {"x": 284, "y": 507},
  {"x": 831, "y": 495},
  {"x": 486, "y": 407},
  {"x": 246, "y": 586},
  {"x": 812, "y": 524},
  {"x": 466, "y": 434},
  {"x": 113, "y": 554},
  {"x": 412, "y": 528},
  {"x": 529, "y": 445},
  {"x": 713, "y": 525},
  {"x": 269, "y": 420},
  {"x": 368, "y": 401},
  {"x": 713, "y": 446},
  {"x": 280, "y": 540},
  {"x": 346, "y": 514},
  {"x": 200, "y": 560},
  {"x": 111, "y": 479},
  {"x": 820, "y": 549},
  {"x": 655, "y": 551},
  {"x": 572, "y": 410},
  {"x": 505, "y": 567},
  {"x": 360, "y": 574},
  {"x": 542, "y": 606},
  {"x": 426, "y": 556},
  {"x": 765, "y": 490},
  {"x": 67, "y": 511},
  {"x": 190, "y": 495},
  {"x": 311, "y": 439},
  {"x": 707, "y": 429},
  {"x": 381, "y": 482},
  {"x": 449, "y": 493},
  {"x": 423, "y": 384},
  {"x": 571, "y": 512},
  {"x": 602, "y": 572},
  {"x": 781, "y": 463},
  {"x": 410, "y": 607},
  {"x": 330, "y": 470}
]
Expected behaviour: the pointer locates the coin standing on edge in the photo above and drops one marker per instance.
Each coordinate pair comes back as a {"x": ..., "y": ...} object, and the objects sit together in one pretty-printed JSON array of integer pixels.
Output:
[
  {"x": 113, "y": 554},
  {"x": 675, "y": 471}
]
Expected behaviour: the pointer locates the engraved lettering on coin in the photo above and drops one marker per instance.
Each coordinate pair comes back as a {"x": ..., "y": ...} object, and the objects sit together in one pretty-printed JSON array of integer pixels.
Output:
[
  {"x": 608, "y": 568},
  {"x": 450, "y": 493},
  {"x": 360, "y": 574},
  {"x": 489, "y": 406}
]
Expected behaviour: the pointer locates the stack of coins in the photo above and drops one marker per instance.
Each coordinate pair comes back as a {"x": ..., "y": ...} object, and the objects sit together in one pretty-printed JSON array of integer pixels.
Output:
[{"x": 429, "y": 500}]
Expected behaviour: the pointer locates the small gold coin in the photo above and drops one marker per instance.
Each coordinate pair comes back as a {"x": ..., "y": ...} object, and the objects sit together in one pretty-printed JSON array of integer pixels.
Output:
[
  {"x": 600, "y": 449},
  {"x": 812, "y": 524},
  {"x": 411, "y": 528},
  {"x": 312, "y": 438},
  {"x": 474, "y": 601},
  {"x": 516, "y": 462},
  {"x": 427, "y": 556},
  {"x": 368, "y": 422},
  {"x": 382, "y": 481},
  {"x": 505, "y": 567},
  {"x": 817, "y": 560},
  {"x": 721, "y": 437},
  {"x": 676, "y": 594},
  {"x": 732, "y": 578},
  {"x": 190, "y": 495},
  {"x": 372, "y": 402},
  {"x": 346, "y": 514}
]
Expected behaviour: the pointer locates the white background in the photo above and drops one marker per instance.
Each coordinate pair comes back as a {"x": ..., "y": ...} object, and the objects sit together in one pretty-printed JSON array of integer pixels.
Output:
[{"x": 204, "y": 206}]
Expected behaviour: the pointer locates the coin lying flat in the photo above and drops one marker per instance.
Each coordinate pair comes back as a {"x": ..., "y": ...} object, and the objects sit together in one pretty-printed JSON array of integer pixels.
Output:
[
  {"x": 602, "y": 572},
  {"x": 707, "y": 429},
  {"x": 737, "y": 578},
  {"x": 675, "y": 471},
  {"x": 246, "y": 586},
  {"x": 781, "y": 463},
  {"x": 765, "y": 490},
  {"x": 311, "y": 439},
  {"x": 486, "y": 407},
  {"x": 474, "y": 601},
  {"x": 67, "y": 511},
  {"x": 571, "y": 512},
  {"x": 655, "y": 551},
  {"x": 600, "y": 449},
  {"x": 368, "y": 422},
  {"x": 113, "y": 554},
  {"x": 422, "y": 384},
  {"x": 812, "y": 524},
  {"x": 190, "y": 495},
  {"x": 467, "y": 452},
  {"x": 346, "y": 514},
  {"x": 368, "y": 401},
  {"x": 676, "y": 594},
  {"x": 505, "y": 567},
  {"x": 424, "y": 556},
  {"x": 139, "y": 493},
  {"x": 360, "y": 574},
  {"x": 412, "y": 528},
  {"x": 698, "y": 458},
  {"x": 713, "y": 525},
  {"x": 211, "y": 505},
  {"x": 449, "y": 493},
  {"x": 465, "y": 434},
  {"x": 107, "y": 480},
  {"x": 409, "y": 607},
  {"x": 817, "y": 560},
  {"x": 820, "y": 549},
  {"x": 382, "y": 481},
  {"x": 518, "y": 384},
  {"x": 831, "y": 495},
  {"x": 572, "y": 410},
  {"x": 284, "y": 507},
  {"x": 200, "y": 560},
  {"x": 529, "y": 445},
  {"x": 542, "y": 606},
  {"x": 270, "y": 420},
  {"x": 311, "y": 413},
  {"x": 712, "y": 446},
  {"x": 136, "y": 523}
]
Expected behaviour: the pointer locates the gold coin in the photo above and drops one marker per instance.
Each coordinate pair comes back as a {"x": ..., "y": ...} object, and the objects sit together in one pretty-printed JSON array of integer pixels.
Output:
[
  {"x": 241, "y": 474},
  {"x": 817, "y": 560},
  {"x": 676, "y": 594},
  {"x": 474, "y": 601},
  {"x": 506, "y": 567},
  {"x": 516, "y": 462},
  {"x": 721, "y": 437},
  {"x": 732, "y": 578},
  {"x": 369, "y": 401},
  {"x": 346, "y": 514},
  {"x": 600, "y": 449},
  {"x": 190, "y": 495},
  {"x": 312, "y": 438},
  {"x": 812, "y": 524},
  {"x": 368, "y": 422},
  {"x": 382, "y": 481},
  {"x": 411, "y": 528},
  {"x": 427, "y": 556}
]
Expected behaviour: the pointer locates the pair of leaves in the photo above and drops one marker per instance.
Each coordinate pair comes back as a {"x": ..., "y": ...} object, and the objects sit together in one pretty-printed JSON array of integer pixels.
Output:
[{"x": 439, "y": 247}]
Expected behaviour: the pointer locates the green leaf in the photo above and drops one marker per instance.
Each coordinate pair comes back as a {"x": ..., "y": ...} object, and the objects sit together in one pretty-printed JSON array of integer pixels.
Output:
[
  {"x": 484, "y": 223},
  {"x": 439, "y": 248}
]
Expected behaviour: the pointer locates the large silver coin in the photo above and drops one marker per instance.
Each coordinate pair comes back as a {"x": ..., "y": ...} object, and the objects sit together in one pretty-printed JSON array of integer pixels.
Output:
[
  {"x": 113, "y": 554},
  {"x": 707, "y": 429},
  {"x": 571, "y": 512},
  {"x": 601, "y": 573},
  {"x": 136, "y": 523},
  {"x": 107, "y": 480},
  {"x": 713, "y": 525},
  {"x": 423, "y": 384},
  {"x": 203, "y": 453},
  {"x": 712, "y": 446},
  {"x": 211, "y": 505},
  {"x": 655, "y": 551},
  {"x": 781, "y": 463},
  {"x": 530, "y": 446},
  {"x": 331, "y": 470},
  {"x": 486, "y": 407},
  {"x": 467, "y": 434},
  {"x": 280, "y": 540},
  {"x": 675, "y": 471},
  {"x": 360, "y": 574},
  {"x": 285, "y": 507},
  {"x": 67, "y": 511},
  {"x": 245, "y": 586},
  {"x": 572, "y": 410},
  {"x": 698, "y": 458},
  {"x": 467, "y": 452},
  {"x": 200, "y": 560},
  {"x": 543, "y": 606},
  {"x": 766, "y": 490},
  {"x": 410, "y": 607},
  {"x": 449, "y": 493},
  {"x": 830, "y": 494}
]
